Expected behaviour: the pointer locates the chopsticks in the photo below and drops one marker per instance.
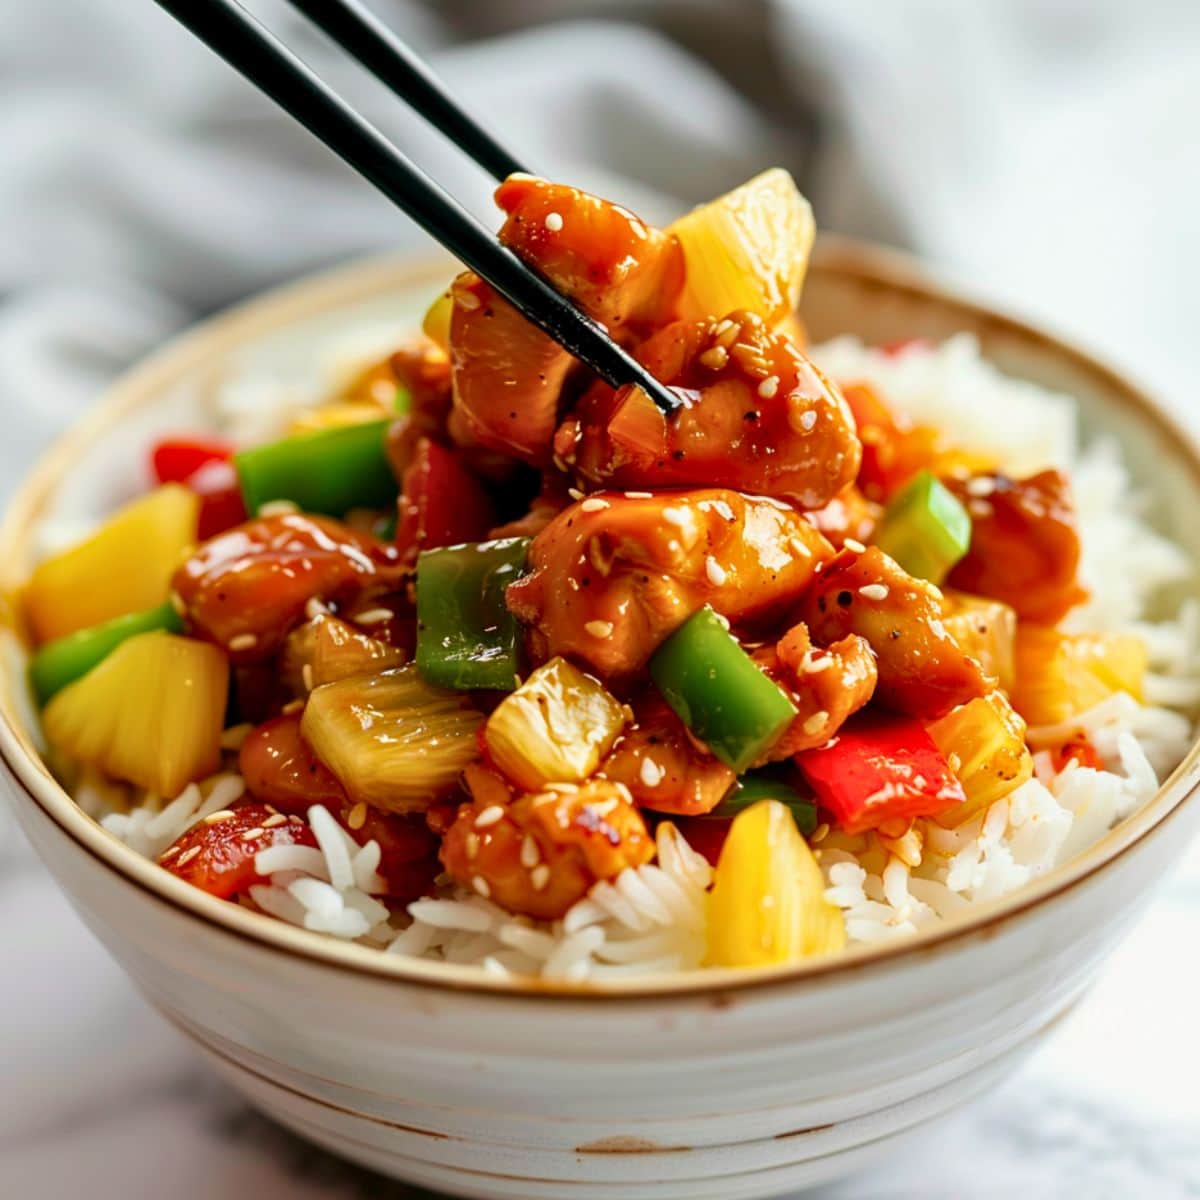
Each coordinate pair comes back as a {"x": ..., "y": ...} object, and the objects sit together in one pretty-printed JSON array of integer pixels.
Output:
[
  {"x": 362, "y": 34},
  {"x": 225, "y": 27}
]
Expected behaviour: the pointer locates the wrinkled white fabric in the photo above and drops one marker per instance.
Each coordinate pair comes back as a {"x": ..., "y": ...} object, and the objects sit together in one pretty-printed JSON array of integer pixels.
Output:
[{"x": 1042, "y": 151}]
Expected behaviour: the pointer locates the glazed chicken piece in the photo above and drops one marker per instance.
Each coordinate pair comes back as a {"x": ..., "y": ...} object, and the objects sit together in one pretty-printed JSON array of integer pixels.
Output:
[
  {"x": 922, "y": 669},
  {"x": 758, "y": 417},
  {"x": 664, "y": 769},
  {"x": 614, "y": 574},
  {"x": 508, "y": 376},
  {"x": 1024, "y": 543},
  {"x": 247, "y": 588},
  {"x": 541, "y": 852},
  {"x": 827, "y": 685}
]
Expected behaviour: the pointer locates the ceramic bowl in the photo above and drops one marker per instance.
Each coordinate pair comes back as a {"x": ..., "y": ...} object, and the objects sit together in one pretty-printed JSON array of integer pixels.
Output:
[{"x": 719, "y": 1085}]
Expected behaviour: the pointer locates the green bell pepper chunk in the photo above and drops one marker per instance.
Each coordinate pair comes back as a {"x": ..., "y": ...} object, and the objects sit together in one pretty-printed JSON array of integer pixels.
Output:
[
  {"x": 925, "y": 529},
  {"x": 717, "y": 691},
  {"x": 330, "y": 471},
  {"x": 750, "y": 789},
  {"x": 69, "y": 658},
  {"x": 466, "y": 637}
]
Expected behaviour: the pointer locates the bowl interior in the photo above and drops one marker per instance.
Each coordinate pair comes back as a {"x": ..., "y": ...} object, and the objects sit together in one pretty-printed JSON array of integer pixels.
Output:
[{"x": 286, "y": 340}]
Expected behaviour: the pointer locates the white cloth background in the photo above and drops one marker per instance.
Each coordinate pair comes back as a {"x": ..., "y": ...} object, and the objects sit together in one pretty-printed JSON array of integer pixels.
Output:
[{"x": 1044, "y": 151}]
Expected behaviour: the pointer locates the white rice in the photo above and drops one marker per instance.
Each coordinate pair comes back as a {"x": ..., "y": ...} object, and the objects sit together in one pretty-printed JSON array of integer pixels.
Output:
[{"x": 652, "y": 920}]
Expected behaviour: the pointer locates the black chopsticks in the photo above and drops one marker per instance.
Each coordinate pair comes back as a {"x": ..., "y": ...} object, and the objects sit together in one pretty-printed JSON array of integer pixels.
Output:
[
  {"x": 362, "y": 34},
  {"x": 226, "y": 28}
]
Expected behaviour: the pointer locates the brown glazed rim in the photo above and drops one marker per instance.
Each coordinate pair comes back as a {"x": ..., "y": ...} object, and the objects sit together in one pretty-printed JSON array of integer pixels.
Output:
[{"x": 869, "y": 267}]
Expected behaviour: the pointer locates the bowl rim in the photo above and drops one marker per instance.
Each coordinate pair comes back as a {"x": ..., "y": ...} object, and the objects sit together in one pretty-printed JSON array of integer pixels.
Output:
[{"x": 869, "y": 266}]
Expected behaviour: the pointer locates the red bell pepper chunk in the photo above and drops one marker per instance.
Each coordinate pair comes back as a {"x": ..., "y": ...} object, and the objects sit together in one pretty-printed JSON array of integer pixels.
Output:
[
  {"x": 441, "y": 503},
  {"x": 174, "y": 460},
  {"x": 880, "y": 768},
  {"x": 218, "y": 858},
  {"x": 220, "y": 492}
]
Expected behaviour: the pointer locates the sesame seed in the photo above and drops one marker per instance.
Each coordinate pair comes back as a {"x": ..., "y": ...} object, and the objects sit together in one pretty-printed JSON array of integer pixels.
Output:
[
  {"x": 874, "y": 591},
  {"x": 217, "y": 817},
  {"x": 295, "y": 820},
  {"x": 467, "y": 300},
  {"x": 721, "y": 619},
  {"x": 679, "y": 517},
  {"x": 554, "y": 222},
  {"x": 594, "y": 504},
  {"x": 489, "y": 816},
  {"x": 714, "y": 358},
  {"x": 313, "y": 608},
  {"x": 769, "y": 387},
  {"x": 292, "y": 706},
  {"x": 808, "y": 420},
  {"x": 539, "y": 877},
  {"x": 472, "y": 844},
  {"x": 187, "y": 856},
  {"x": 306, "y": 673},
  {"x": 251, "y": 834},
  {"x": 651, "y": 773},
  {"x": 274, "y": 821},
  {"x": 168, "y": 854},
  {"x": 715, "y": 572},
  {"x": 356, "y": 818},
  {"x": 374, "y": 616},
  {"x": 530, "y": 854},
  {"x": 639, "y": 495},
  {"x": 820, "y": 833},
  {"x": 814, "y": 666},
  {"x": 481, "y": 886},
  {"x": 816, "y": 722},
  {"x": 855, "y": 545},
  {"x": 979, "y": 508},
  {"x": 177, "y": 604},
  {"x": 604, "y": 807},
  {"x": 574, "y": 493},
  {"x": 981, "y": 485},
  {"x": 278, "y": 508},
  {"x": 797, "y": 546},
  {"x": 599, "y": 629},
  {"x": 563, "y": 789},
  {"x": 243, "y": 641}
]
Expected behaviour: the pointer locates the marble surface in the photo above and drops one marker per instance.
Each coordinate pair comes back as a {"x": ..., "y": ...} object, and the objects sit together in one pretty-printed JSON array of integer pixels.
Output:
[{"x": 101, "y": 1098}]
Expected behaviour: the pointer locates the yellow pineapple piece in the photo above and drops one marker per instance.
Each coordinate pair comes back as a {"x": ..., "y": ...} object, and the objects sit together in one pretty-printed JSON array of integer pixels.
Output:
[
  {"x": 987, "y": 630},
  {"x": 768, "y": 903},
  {"x": 151, "y": 712},
  {"x": 124, "y": 567},
  {"x": 1060, "y": 675},
  {"x": 747, "y": 249},
  {"x": 984, "y": 743}
]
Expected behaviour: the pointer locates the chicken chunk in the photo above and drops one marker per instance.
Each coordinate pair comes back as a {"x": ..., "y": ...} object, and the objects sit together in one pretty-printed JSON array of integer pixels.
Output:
[
  {"x": 664, "y": 769},
  {"x": 848, "y": 516},
  {"x": 827, "y": 685},
  {"x": 758, "y": 417},
  {"x": 1024, "y": 543},
  {"x": 246, "y": 589},
  {"x": 539, "y": 853},
  {"x": 508, "y": 376},
  {"x": 615, "y": 574},
  {"x": 922, "y": 669}
]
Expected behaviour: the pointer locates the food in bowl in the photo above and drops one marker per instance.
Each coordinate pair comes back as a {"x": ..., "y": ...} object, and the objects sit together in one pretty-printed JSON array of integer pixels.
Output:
[{"x": 482, "y": 660}]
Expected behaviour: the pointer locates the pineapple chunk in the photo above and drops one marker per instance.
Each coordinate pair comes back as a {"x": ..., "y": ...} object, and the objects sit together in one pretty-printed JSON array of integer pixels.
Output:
[
  {"x": 555, "y": 728},
  {"x": 1060, "y": 675},
  {"x": 392, "y": 739},
  {"x": 987, "y": 630},
  {"x": 747, "y": 249},
  {"x": 332, "y": 650},
  {"x": 768, "y": 903},
  {"x": 984, "y": 743},
  {"x": 151, "y": 712},
  {"x": 124, "y": 567}
]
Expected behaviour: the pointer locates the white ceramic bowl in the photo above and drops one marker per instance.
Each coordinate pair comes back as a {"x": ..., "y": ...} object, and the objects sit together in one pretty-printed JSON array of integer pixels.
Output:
[{"x": 721, "y": 1085}]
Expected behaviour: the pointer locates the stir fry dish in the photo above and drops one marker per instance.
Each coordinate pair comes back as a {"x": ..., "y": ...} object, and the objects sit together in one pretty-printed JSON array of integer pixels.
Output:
[{"x": 481, "y": 647}]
